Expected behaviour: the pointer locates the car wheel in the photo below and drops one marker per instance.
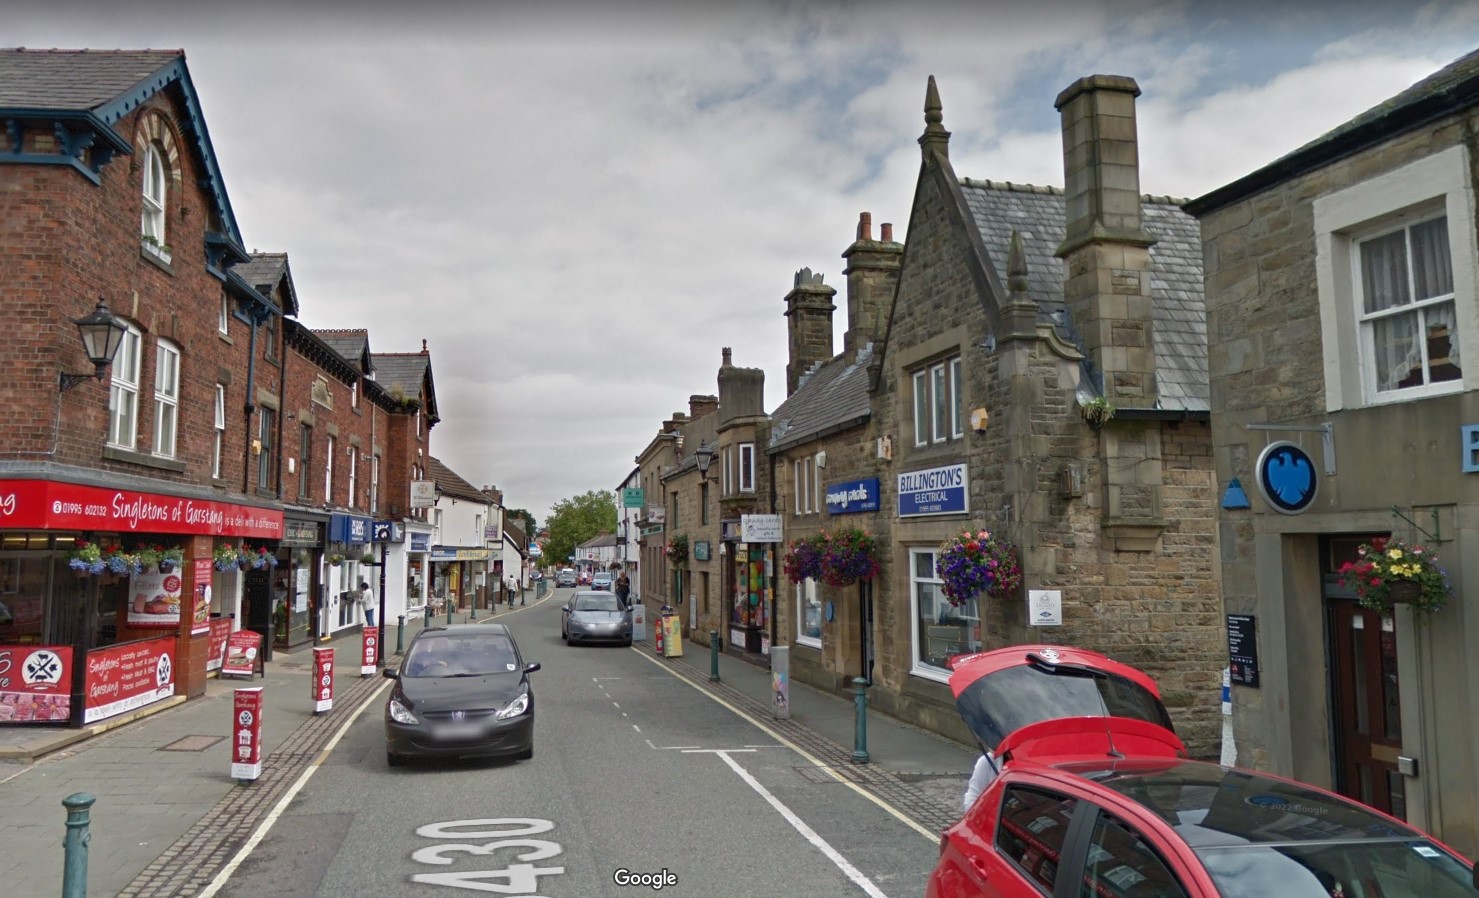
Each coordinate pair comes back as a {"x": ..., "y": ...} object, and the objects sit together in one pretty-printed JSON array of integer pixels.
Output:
[{"x": 393, "y": 759}]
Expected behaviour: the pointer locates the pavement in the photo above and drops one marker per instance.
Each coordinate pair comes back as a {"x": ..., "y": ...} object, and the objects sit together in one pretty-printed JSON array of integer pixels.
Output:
[{"x": 168, "y": 815}]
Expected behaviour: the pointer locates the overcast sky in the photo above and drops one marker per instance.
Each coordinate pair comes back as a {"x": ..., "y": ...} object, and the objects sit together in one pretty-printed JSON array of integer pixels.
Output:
[{"x": 578, "y": 204}]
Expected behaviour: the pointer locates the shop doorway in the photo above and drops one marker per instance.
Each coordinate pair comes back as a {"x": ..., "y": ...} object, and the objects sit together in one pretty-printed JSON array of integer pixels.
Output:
[{"x": 1367, "y": 713}]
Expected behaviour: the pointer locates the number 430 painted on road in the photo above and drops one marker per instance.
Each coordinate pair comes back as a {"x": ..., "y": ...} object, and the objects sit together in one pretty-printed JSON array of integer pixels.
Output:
[{"x": 515, "y": 879}]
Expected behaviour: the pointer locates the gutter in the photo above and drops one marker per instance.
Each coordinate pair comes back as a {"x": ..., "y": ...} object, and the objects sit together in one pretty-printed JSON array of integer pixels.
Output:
[
  {"x": 1161, "y": 414},
  {"x": 826, "y": 432}
]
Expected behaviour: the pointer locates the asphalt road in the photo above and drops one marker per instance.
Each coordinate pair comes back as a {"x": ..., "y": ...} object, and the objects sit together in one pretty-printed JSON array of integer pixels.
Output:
[{"x": 635, "y": 773}]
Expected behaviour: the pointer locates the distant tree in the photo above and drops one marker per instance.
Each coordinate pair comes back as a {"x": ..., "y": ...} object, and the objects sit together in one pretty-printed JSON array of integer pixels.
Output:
[
  {"x": 524, "y": 519},
  {"x": 573, "y": 521}
]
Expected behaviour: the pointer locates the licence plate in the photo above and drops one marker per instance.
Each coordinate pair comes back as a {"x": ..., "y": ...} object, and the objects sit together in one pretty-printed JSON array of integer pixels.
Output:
[{"x": 457, "y": 731}]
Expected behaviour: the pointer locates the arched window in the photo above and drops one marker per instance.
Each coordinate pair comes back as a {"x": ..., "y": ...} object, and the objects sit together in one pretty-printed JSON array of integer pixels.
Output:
[{"x": 152, "y": 226}]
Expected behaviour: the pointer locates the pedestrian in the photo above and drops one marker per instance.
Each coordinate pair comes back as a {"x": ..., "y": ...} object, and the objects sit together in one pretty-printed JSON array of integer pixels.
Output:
[
  {"x": 623, "y": 589},
  {"x": 981, "y": 777},
  {"x": 367, "y": 602}
]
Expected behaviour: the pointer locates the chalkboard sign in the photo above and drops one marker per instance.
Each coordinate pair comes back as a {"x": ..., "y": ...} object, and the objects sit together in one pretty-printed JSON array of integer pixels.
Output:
[{"x": 1242, "y": 649}]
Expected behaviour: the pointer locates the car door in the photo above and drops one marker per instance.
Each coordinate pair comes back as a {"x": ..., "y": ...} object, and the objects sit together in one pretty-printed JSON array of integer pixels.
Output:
[
  {"x": 1124, "y": 860},
  {"x": 1013, "y": 847}
]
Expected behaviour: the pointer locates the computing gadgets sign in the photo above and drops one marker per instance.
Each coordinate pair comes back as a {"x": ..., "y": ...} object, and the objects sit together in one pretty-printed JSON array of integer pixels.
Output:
[{"x": 1286, "y": 478}]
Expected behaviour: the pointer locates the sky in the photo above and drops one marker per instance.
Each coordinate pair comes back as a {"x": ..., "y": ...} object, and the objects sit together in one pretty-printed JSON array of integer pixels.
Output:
[{"x": 576, "y": 205}]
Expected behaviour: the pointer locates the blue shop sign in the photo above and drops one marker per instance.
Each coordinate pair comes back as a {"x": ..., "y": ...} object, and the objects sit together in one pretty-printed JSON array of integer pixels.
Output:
[
  {"x": 387, "y": 532},
  {"x": 349, "y": 528},
  {"x": 421, "y": 542},
  {"x": 942, "y": 490},
  {"x": 1286, "y": 478},
  {"x": 851, "y": 496}
]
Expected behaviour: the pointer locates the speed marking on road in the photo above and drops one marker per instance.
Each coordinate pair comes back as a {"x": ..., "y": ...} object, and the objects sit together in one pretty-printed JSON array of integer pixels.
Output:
[{"x": 504, "y": 834}]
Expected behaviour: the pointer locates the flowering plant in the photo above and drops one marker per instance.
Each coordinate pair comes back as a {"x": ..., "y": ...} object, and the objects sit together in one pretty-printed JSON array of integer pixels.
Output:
[
  {"x": 227, "y": 557},
  {"x": 149, "y": 554},
  {"x": 676, "y": 550},
  {"x": 848, "y": 555},
  {"x": 976, "y": 563},
  {"x": 174, "y": 556},
  {"x": 86, "y": 556},
  {"x": 803, "y": 558},
  {"x": 1389, "y": 570},
  {"x": 118, "y": 561},
  {"x": 258, "y": 558}
]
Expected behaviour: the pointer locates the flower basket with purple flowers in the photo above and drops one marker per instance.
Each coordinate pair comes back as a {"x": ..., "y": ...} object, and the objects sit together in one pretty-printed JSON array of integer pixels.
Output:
[
  {"x": 803, "y": 558},
  {"x": 978, "y": 563},
  {"x": 849, "y": 555}
]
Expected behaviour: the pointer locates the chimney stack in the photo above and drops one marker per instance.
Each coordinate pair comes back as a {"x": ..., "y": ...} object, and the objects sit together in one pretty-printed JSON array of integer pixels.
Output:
[
  {"x": 809, "y": 306},
  {"x": 699, "y": 406},
  {"x": 1106, "y": 249},
  {"x": 872, "y": 273}
]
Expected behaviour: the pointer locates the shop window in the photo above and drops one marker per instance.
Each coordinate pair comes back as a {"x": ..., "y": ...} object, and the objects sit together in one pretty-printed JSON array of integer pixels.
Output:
[
  {"x": 808, "y": 614},
  {"x": 941, "y": 629},
  {"x": 123, "y": 394},
  {"x": 219, "y": 423},
  {"x": 166, "y": 398},
  {"x": 938, "y": 403}
]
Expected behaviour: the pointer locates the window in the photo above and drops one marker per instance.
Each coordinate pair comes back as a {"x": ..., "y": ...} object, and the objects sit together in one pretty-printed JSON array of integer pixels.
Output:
[
  {"x": 728, "y": 453},
  {"x": 416, "y": 422},
  {"x": 266, "y": 427},
  {"x": 123, "y": 395},
  {"x": 1390, "y": 261},
  {"x": 803, "y": 487},
  {"x": 223, "y": 324},
  {"x": 269, "y": 325},
  {"x": 1120, "y": 862},
  {"x": 375, "y": 483},
  {"x": 941, "y": 629},
  {"x": 354, "y": 476},
  {"x": 938, "y": 403},
  {"x": 166, "y": 398},
  {"x": 152, "y": 226},
  {"x": 808, "y": 614},
  {"x": 673, "y": 515},
  {"x": 305, "y": 458},
  {"x": 354, "y": 394},
  {"x": 747, "y": 467},
  {"x": 220, "y": 425},
  {"x": 703, "y": 503},
  {"x": 1031, "y": 833},
  {"x": 329, "y": 473}
]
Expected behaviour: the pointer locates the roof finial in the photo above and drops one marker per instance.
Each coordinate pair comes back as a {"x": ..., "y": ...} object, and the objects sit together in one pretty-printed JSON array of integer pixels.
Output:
[
  {"x": 423, "y": 346},
  {"x": 1016, "y": 264},
  {"x": 935, "y": 137}
]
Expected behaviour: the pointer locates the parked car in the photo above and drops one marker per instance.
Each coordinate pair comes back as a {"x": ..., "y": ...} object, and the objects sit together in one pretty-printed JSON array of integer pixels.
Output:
[
  {"x": 566, "y": 578},
  {"x": 596, "y": 616},
  {"x": 461, "y": 691},
  {"x": 601, "y": 580},
  {"x": 1095, "y": 797}
]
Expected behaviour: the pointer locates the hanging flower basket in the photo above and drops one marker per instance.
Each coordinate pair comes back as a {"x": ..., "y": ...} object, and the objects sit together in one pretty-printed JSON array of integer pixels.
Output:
[
  {"x": 979, "y": 563},
  {"x": 336, "y": 560},
  {"x": 149, "y": 555},
  {"x": 1389, "y": 572},
  {"x": 227, "y": 557},
  {"x": 849, "y": 555},
  {"x": 803, "y": 558},
  {"x": 86, "y": 558},
  {"x": 677, "y": 550},
  {"x": 170, "y": 559}
]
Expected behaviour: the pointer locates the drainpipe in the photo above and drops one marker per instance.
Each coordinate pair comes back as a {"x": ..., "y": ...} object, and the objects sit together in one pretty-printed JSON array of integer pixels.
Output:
[
  {"x": 774, "y": 562},
  {"x": 250, "y": 407}
]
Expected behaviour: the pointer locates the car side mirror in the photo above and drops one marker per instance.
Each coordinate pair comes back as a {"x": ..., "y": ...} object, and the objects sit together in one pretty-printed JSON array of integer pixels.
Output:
[
  {"x": 390, "y": 673},
  {"x": 531, "y": 667}
]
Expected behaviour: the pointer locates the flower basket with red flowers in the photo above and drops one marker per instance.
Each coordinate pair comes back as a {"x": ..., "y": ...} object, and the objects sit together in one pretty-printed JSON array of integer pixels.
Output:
[
  {"x": 676, "y": 551},
  {"x": 978, "y": 563},
  {"x": 1390, "y": 571},
  {"x": 86, "y": 558},
  {"x": 803, "y": 558},
  {"x": 849, "y": 555}
]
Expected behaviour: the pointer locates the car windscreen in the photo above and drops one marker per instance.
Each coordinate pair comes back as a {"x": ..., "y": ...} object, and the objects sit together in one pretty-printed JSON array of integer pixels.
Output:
[
  {"x": 471, "y": 655},
  {"x": 1413, "y": 868},
  {"x": 596, "y": 603},
  {"x": 1005, "y": 701}
]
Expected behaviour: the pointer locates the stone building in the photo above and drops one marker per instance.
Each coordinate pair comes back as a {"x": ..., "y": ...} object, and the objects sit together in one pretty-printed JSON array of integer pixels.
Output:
[{"x": 1341, "y": 283}]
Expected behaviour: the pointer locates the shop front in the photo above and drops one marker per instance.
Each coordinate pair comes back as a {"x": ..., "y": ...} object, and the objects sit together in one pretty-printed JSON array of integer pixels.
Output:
[
  {"x": 350, "y": 559},
  {"x": 748, "y": 582},
  {"x": 297, "y": 580},
  {"x": 107, "y": 596},
  {"x": 418, "y": 550},
  {"x": 456, "y": 571}
]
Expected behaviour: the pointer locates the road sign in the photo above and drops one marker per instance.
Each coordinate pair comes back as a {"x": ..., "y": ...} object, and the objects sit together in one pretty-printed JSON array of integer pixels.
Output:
[{"x": 632, "y": 498}]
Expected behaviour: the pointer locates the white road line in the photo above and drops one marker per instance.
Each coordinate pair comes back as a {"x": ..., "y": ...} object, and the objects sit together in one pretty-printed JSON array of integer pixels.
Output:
[
  {"x": 714, "y": 751},
  {"x": 637, "y": 728},
  {"x": 282, "y": 804},
  {"x": 933, "y": 837},
  {"x": 821, "y": 844},
  {"x": 669, "y": 747}
]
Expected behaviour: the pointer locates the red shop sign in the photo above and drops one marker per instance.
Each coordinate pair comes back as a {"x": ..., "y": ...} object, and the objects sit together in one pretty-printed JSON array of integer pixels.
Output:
[
  {"x": 246, "y": 734},
  {"x": 322, "y": 684},
  {"x": 242, "y": 649},
  {"x": 35, "y": 683},
  {"x": 123, "y": 677},
  {"x": 220, "y": 632},
  {"x": 48, "y": 505},
  {"x": 370, "y": 643}
]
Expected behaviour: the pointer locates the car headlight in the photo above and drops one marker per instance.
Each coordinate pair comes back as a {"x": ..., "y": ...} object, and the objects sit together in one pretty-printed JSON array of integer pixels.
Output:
[
  {"x": 400, "y": 713},
  {"x": 516, "y": 707}
]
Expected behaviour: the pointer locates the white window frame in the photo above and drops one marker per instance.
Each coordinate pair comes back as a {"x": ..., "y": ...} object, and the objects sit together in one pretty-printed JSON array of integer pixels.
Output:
[
  {"x": 747, "y": 467},
  {"x": 266, "y": 425},
  {"x": 123, "y": 422},
  {"x": 938, "y": 402},
  {"x": 166, "y": 398},
  {"x": 921, "y": 407},
  {"x": 818, "y": 489},
  {"x": 374, "y": 483},
  {"x": 224, "y": 324},
  {"x": 800, "y": 488},
  {"x": 957, "y": 399},
  {"x": 806, "y": 593},
  {"x": 219, "y": 423},
  {"x": 969, "y": 610},
  {"x": 155, "y": 190},
  {"x": 354, "y": 395},
  {"x": 1437, "y": 185},
  {"x": 329, "y": 471},
  {"x": 728, "y": 453},
  {"x": 353, "y": 474}
]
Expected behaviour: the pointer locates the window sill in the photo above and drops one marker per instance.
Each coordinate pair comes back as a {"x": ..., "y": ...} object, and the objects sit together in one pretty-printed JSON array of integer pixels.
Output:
[
  {"x": 129, "y": 456},
  {"x": 225, "y": 338},
  {"x": 808, "y": 642},
  {"x": 158, "y": 258}
]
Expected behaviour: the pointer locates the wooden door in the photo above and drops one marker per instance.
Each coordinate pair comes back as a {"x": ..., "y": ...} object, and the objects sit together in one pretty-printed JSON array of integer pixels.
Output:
[{"x": 1368, "y": 715}]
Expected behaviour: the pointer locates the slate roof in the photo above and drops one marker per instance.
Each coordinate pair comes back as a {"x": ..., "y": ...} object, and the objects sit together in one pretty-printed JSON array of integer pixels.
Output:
[
  {"x": 406, "y": 370},
  {"x": 76, "y": 80},
  {"x": 833, "y": 393},
  {"x": 350, "y": 343},
  {"x": 515, "y": 535},
  {"x": 263, "y": 270},
  {"x": 1178, "y": 305},
  {"x": 451, "y": 484},
  {"x": 598, "y": 541}
]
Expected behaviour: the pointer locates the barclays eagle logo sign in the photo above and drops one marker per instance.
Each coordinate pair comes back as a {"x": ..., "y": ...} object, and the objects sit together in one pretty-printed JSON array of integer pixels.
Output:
[{"x": 1286, "y": 478}]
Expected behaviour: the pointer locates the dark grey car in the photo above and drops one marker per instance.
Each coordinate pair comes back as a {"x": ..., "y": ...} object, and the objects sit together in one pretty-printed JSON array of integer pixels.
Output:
[
  {"x": 596, "y": 616},
  {"x": 461, "y": 691}
]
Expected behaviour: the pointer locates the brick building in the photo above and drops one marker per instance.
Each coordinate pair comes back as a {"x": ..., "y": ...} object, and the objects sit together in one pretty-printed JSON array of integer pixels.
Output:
[{"x": 1341, "y": 283}]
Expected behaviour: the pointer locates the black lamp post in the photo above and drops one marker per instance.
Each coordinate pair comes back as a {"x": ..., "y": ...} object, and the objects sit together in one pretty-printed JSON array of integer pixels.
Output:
[
  {"x": 102, "y": 334},
  {"x": 704, "y": 456}
]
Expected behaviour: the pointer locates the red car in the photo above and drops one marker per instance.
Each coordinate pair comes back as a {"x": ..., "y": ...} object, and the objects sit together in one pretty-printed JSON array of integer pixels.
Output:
[{"x": 1095, "y": 798}]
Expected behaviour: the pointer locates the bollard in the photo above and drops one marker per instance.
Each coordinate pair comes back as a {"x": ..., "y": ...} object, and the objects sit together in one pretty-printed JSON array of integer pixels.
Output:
[
  {"x": 449, "y": 612},
  {"x": 400, "y": 636},
  {"x": 472, "y": 614},
  {"x": 713, "y": 656},
  {"x": 860, "y": 700},
  {"x": 74, "y": 849}
]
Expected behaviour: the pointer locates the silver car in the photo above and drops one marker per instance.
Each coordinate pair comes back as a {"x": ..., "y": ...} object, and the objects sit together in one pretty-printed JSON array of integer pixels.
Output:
[{"x": 596, "y": 616}]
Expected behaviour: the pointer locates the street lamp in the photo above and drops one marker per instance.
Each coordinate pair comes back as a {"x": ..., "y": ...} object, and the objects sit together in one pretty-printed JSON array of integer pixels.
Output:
[
  {"x": 102, "y": 334},
  {"x": 704, "y": 456}
]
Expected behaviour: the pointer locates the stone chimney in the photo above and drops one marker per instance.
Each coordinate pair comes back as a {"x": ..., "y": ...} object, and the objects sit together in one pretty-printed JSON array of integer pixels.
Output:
[
  {"x": 675, "y": 423},
  {"x": 741, "y": 393},
  {"x": 872, "y": 272},
  {"x": 1106, "y": 249},
  {"x": 699, "y": 406},
  {"x": 809, "y": 306}
]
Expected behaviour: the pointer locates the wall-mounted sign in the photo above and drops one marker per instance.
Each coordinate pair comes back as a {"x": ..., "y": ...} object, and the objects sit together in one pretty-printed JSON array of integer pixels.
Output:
[
  {"x": 1468, "y": 440},
  {"x": 49, "y": 505},
  {"x": 35, "y": 683},
  {"x": 1045, "y": 607},
  {"x": 1242, "y": 649},
  {"x": 633, "y": 498},
  {"x": 387, "y": 532},
  {"x": 455, "y": 553},
  {"x": 943, "y": 490},
  {"x": 656, "y": 514},
  {"x": 420, "y": 542},
  {"x": 701, "y": 550},
  {"x": 851, "y": 496},
  {"x": 1286, "y": 477},
  {"x": 126, "y": 676},
  {"x": 760, "y": 528},
  {"x": 423, "y": 493},
  {"x": 302, "y": 534},
  {"x": 349, "y": 528}
]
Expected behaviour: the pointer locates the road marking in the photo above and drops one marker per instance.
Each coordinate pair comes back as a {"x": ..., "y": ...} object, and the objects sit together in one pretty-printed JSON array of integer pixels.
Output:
[
  {"x": 637, "y": 728},
  {"x": 669, "y": 747},
  {"x": 714, "y": 751},
  {"x": 933, "y": 837},
  {"x": 618, "y": 707},
  {"x": 261, "y": 832},
  {"x": 821, "y": 844}
]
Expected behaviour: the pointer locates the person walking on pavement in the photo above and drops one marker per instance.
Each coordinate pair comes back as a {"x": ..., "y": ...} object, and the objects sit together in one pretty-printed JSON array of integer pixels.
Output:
[
  {"x": 623, "y": 589},
  {"x": 367, "y": 602},
  {"x": 981, "y": 777}
]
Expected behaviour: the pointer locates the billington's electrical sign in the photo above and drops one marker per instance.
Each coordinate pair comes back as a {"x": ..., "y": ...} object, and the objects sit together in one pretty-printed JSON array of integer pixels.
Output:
[
  {"x": 851, "y": 496},
  {"x": 934, "y": 491}
]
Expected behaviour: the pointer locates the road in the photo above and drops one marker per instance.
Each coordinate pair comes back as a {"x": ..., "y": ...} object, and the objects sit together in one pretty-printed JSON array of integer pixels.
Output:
[{"x": 636, "y": 775}]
